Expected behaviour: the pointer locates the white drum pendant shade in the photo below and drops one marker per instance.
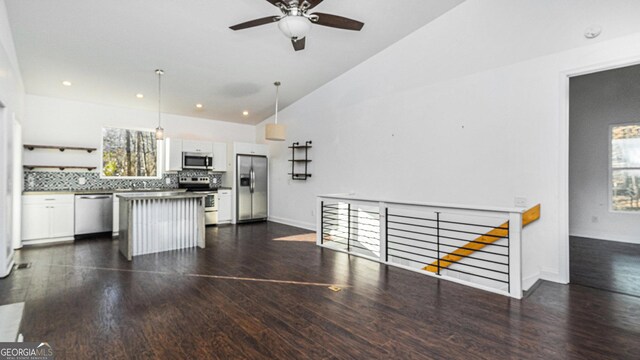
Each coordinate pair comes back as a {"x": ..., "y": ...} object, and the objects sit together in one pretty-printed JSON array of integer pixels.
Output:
[{"x": 275, "y": 132}]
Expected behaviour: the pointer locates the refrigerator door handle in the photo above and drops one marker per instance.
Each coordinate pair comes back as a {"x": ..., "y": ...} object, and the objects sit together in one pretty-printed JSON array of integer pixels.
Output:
[{"x": 253, "y": 180}]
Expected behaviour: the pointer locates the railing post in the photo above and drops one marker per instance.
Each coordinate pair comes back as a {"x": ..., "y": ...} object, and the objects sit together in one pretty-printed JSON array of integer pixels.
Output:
[
  {"x": 382, "y": 211},
  {"x": 349, "y": 227},
  {"x": 319, "y": 221},
  {"x": 438, "y": 238},
  {"x": 515, "y": 255}
]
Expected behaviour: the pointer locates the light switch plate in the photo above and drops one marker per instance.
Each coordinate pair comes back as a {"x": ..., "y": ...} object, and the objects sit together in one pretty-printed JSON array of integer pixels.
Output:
[{"x": 520, "y": 202}]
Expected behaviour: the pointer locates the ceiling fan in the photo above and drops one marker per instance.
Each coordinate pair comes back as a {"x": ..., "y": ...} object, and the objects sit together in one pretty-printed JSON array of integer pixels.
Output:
[{"x": 295, "y": 21}]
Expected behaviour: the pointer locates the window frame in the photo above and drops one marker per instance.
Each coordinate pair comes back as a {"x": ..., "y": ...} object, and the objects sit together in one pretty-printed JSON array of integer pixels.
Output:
[
  {"x": 159, "y": 156},
  {"x": 611, "y": 169}
]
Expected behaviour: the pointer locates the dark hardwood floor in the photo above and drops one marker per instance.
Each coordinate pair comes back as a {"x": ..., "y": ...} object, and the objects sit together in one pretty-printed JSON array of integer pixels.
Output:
[
  {"x": 261, "y": 291},
  {"x": 607, "y": 265}
]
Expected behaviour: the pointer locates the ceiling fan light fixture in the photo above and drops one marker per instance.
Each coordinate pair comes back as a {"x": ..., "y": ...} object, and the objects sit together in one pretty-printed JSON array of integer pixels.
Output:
[{"x": 294, "y": 26}]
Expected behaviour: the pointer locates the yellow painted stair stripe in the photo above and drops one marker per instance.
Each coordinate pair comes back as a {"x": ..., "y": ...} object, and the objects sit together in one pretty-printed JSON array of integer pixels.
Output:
[{"x": 489, "y": 238}]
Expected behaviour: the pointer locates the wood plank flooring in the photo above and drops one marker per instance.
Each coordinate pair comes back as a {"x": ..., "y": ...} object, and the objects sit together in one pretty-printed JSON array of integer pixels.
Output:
[
  {"x": 259, "y": 291},
  {"x": 607, "y": 265}
]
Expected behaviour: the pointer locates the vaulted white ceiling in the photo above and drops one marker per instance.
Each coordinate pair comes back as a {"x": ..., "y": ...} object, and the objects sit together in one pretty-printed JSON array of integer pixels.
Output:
[{"x": 110, "y": 49}]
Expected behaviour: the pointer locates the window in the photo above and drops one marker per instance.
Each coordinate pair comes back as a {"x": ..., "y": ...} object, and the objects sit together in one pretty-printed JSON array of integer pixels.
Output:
[
  {"x": 129, "y": 153},
  {"x": 625, "y": 167}
]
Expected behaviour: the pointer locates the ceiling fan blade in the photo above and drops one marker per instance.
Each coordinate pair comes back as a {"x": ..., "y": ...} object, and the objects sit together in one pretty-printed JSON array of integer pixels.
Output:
[
  {"x": 256, "y": 22},
  {"x": 339, "y": 22},
  {"x": 313, "y": 3},
  {"x": 277, "y": 3},
  {"x": 299, "y": 43}
]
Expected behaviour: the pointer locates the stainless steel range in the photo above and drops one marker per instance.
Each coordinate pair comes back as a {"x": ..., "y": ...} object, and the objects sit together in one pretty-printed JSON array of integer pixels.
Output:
[{"x": 200, "y": 185}]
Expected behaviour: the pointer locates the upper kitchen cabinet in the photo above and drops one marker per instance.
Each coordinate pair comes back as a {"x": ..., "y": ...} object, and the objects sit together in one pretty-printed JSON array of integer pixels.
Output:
[
  {"x": 219, "y": 157},
  {"x": 197, "y": 146},
  {"x": 251, "y": 149},
  {"x": 173, "y": 154}
]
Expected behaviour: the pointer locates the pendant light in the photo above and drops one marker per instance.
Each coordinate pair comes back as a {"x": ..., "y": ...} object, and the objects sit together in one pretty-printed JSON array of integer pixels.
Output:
[
  {"x": 275, "y": 131},
  {"x": 159, "y": 129}
]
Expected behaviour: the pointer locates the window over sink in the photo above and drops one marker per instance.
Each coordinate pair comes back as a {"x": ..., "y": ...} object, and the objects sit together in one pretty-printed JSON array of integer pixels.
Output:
[{"x": 129, "y": 153}]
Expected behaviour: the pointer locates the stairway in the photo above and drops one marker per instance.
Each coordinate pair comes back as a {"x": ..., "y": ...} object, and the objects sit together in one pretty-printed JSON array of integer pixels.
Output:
[{"x": 489, "y": 238}]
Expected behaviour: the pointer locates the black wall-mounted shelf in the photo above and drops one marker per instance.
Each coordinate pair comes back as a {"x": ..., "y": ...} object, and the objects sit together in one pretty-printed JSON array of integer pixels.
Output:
[
  {"x": 60, "y": 147},
  {"x": 296, "y": 175}
]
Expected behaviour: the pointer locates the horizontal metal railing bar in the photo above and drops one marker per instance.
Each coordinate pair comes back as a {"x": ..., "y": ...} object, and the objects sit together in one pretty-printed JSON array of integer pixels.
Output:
[
  {"x": 446, "y": 221},
  {"x": 346, "y": 214},
  {"x": 476, "y": 208},
  {"x": 452, "y": 230},
  {"x": 460, "y": 271},
  {"x": 442, "y": 260},
  {"x": 351, "y": 245},
  {"x": 377, "y": 243},
  {"x": 347, "y": 218},
  {"x": 366, "y": 211},
  {"x": 451, "y": 261},
  {"x": 453, "y": 246},
  {"x": 449, "y": 237},
  {"x": 353, "y": 230}
]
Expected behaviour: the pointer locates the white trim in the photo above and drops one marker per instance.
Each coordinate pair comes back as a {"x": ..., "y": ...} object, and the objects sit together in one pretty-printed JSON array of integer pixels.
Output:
[
  {"x": 529, "y": 281},
  {"x": 47, "y": 241},
  {"x": 6, "y": 272},
  {"x": 562, "y": 276},
  {"x": 295, "y": 223}
]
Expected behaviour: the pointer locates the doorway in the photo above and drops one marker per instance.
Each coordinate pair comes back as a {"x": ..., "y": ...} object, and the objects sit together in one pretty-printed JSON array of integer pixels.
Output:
[{"x": 604, "y": 180}]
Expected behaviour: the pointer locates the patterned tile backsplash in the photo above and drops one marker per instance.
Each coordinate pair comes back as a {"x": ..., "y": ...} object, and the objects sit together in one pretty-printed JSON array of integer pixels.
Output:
[{"x": 63, "y": 180}]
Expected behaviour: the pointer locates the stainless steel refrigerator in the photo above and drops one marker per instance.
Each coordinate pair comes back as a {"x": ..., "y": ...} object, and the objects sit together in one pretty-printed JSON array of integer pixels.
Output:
[{"x": 251, "y": 188}]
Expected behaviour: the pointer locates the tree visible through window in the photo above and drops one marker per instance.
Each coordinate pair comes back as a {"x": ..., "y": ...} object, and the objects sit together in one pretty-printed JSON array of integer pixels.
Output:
[
  {"x": 130, "y": 153},
  {"x": 625, "y": 167}
]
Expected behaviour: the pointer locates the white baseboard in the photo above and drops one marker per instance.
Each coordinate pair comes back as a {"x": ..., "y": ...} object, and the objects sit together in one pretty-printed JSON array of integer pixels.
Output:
[
  {"x": 47, "y": 241},
  {"x": 528, "y": 281},
  {"x": 632, "y": 239},
  {"x": 7, "y": 271},
  {"x": 300, "y": 224}
]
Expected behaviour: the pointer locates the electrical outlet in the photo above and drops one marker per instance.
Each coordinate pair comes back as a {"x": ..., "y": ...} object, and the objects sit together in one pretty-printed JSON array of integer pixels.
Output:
[
  {"x": 167, "y": 181},
  {"x": 82, "y": 181},
  {"x": 520, "y": 202},
  {"x": 594, "y": 219},
  {"x": 215, "y": 180}
]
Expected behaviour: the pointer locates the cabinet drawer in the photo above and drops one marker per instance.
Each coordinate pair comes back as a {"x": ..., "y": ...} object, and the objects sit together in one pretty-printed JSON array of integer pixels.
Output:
[{"x": 48, "y": 199}]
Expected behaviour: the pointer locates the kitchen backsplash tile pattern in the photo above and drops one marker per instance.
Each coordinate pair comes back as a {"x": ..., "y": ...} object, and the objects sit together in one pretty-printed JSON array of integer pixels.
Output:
[{"x": 63, "y": 180}]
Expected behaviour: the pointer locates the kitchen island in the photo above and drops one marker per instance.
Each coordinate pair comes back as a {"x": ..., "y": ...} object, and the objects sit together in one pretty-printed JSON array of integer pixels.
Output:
[{"x": 152, "y": 223}]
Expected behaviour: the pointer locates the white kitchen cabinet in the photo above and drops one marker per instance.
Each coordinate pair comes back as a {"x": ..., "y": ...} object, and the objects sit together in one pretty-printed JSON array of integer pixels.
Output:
[
  {"x": 251, "y": 149},
  {"x": 197, "y": 146},
  {"x": 219, "y": 157},
  {"x": 173, "y": 154},
  {"x": 47, "y": 218},
  {"x": 224, "y": 206}
]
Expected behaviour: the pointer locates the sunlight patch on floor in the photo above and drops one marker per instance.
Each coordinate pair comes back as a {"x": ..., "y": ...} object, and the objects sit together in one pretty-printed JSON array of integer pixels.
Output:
[{"x": 310, "y": 237}]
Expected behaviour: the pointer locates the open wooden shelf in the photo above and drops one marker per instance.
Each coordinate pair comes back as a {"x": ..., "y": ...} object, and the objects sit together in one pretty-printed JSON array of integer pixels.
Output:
[
  {"x": 296, "y": 160},
  {"x": 300, "y": 147},
  {"x": 31, "y": 147},
  {"x": 60, "y": 167}
]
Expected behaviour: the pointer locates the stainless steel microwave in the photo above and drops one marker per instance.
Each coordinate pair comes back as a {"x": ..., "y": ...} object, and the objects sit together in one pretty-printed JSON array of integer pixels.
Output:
[{"x": 196, "y": 161}]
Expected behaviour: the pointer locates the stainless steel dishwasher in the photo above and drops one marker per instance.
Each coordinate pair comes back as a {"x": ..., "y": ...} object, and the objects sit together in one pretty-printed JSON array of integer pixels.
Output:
[{"x": 93, "y": 214}]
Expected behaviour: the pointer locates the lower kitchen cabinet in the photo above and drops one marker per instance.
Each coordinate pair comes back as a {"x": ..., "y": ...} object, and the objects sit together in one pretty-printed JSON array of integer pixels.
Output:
[
  {"x": 47, "y": 218},
  {"x": 224, "y": 206}
]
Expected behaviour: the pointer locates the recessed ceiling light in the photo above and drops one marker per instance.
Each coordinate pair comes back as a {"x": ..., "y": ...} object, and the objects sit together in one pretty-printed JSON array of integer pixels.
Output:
[
  {"x": 66, "y": 83},
  {"x": 139, "y": 96},
  {"x": 199, "y": 106},
  {"x": 245, "y": 113}
]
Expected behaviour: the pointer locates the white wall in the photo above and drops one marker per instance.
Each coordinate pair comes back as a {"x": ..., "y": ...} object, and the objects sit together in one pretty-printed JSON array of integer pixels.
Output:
[
  {"x": 11, "y": 98},
  {"x": 62, "y": 122},
  {"x": 456, "y": 113},
  {"x": 597, "y": 102}
]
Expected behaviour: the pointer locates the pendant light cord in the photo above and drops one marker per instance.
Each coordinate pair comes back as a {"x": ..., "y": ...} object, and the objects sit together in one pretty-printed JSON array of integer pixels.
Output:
[
  {"x": 159, "y": 95},
  {"x": 277, "y": 84}
]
